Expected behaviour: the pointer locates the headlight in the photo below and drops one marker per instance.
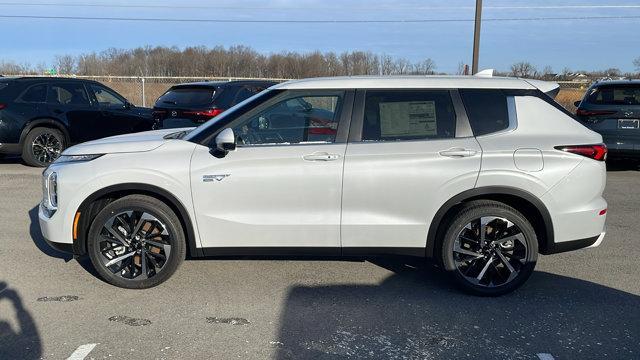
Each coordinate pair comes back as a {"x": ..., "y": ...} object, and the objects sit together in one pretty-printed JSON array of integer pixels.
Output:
[
  {"x": 50, "y": 192},
  {"x": 76, "y": 158}
]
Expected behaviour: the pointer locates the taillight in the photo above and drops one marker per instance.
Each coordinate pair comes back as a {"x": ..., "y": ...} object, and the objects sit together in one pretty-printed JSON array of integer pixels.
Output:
[
  {"x": 2, "y": 106},
  {"x": 207, "y": 113},
  {"x": 595, "y": 152},
  {"x": 583, "y": 112}
]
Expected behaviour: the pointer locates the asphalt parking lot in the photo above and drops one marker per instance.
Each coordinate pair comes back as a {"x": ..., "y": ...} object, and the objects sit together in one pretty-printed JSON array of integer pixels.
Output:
[{"x": 578, "y": 305}]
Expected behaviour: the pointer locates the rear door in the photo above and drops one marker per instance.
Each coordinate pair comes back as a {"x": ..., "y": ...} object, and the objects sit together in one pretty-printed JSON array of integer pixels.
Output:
[
  {"x": 69, "y": 101},
  {"x": 409, "y": 151}
]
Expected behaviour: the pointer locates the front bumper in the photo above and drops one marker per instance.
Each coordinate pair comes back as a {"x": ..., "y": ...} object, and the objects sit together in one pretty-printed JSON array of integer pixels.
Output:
[{"x": 51, "y": 231}]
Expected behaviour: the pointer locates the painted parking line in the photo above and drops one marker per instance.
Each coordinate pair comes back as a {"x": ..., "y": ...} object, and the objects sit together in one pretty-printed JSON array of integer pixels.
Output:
[
  {"x": 545, "y": 356},
  {"x": 81, "y": 352}
]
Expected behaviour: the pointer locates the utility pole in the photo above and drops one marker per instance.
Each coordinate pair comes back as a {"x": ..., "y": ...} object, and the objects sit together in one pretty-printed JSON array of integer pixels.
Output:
[{"x": 476, "y": 37}]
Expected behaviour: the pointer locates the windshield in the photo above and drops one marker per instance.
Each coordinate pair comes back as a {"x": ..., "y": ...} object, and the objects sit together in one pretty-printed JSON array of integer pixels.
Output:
[
  {"x": 226, "y": 116},
  {"x": 187, "y": 97}
]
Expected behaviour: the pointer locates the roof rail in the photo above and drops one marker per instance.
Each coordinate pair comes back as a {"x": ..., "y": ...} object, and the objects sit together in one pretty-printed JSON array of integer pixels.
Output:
[{"x": 485, "y": 73}]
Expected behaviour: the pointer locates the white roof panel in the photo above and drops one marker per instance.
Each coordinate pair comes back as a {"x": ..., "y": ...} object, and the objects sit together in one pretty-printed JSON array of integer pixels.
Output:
[{"x": 405, "y": 82}]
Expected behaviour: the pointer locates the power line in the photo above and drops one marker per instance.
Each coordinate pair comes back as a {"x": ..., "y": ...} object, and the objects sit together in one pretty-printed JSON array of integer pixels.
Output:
[
  {"x": 385, "y": 8},
  {"x": 313, "y": 21}
]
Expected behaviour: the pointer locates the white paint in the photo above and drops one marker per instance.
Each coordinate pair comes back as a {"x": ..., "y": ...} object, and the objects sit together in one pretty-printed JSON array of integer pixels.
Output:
[
  {"x": 81, "y": 352},
  {"x": 545, "y": 356}
]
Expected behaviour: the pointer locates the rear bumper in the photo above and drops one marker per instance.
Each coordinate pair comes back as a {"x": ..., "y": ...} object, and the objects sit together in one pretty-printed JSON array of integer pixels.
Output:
[{"x": 565, "y": 246}]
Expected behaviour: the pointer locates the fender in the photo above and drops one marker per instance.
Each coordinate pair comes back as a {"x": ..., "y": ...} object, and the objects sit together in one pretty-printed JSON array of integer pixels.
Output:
[
  {"x": 486, "y": 193},
  {"x": 79, "y": 246},
  {"x": 49, "y": 122}
]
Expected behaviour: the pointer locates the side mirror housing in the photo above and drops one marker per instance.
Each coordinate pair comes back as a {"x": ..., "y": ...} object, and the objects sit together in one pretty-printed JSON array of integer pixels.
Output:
[
  {"x": 225, "y": 141},
  {"x": 577, "y": 103}
]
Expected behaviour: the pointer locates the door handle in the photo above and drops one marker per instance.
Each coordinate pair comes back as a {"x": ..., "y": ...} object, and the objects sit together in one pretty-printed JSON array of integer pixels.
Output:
[
  {"x": 457, "y": 152},
  {"x": 321, "y": 156}
]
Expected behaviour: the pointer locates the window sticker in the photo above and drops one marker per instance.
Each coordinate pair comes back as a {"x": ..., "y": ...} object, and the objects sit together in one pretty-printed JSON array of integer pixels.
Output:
[{"x": 408, "y": 118}]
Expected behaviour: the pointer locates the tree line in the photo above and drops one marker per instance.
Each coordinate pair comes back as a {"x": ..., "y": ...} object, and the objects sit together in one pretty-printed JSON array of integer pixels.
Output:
[
  {"x": 243, "y": 61},
  {"x": 235, "y": 61}
]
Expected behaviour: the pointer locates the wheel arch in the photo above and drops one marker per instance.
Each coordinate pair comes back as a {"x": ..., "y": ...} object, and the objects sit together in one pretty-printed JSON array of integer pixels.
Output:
[
  {"x": 527, "y": 203},
  {"x": 99, "y": 199},
  {"x": 47, "y": 123}
]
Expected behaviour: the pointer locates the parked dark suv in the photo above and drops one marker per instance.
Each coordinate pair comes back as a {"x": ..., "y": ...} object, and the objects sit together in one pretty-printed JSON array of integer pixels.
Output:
[
  {"x": 192, "y": 104},
  {"x": 41, "y": 116},
  {"x": 612, "y": 108}
]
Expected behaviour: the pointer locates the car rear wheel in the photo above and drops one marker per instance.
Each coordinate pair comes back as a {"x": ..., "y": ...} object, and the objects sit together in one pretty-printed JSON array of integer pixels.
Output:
[
  {"x": 42, "y": 146},
  {"x": 136, "y": 242},
  {"x": 489, "y": 248}
]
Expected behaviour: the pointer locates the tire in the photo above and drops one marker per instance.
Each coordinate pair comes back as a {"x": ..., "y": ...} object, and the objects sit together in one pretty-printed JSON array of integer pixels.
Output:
[
  {"x": 160, "y": 242},
  {"x": 42, "y": 146},
  {"x": 501, "y": 262}
]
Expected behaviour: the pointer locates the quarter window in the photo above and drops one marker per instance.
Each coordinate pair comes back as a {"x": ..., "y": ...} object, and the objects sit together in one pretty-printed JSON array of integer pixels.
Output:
[
  {"x": 408, "y": 115},
  {"x": 294, "y": 120},
  {"x": 35, "y": 94},
  {"x": 68, "y": 94},
  {"x": 487, "y": 110}
]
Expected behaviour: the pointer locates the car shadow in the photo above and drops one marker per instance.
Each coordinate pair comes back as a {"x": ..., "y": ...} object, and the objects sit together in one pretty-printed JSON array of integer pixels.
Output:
[
  {"x": 38, "y": 238},
  {"x": 416, "y": 313},
  {"x": 10, "y": 159},
  {"x": 20, "y": 340}
]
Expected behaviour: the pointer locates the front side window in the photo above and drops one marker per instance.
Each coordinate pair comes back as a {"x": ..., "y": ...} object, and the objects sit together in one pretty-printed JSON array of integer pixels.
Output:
[
  {"x": 487, "y": 110},
  {"x": 293, "y": 120},
  {"x": 68, "y": 94},
  {"x": 107, "y": 98},
  {"x": 34, "y": 94},
  {"x": 397, "y": 115}
]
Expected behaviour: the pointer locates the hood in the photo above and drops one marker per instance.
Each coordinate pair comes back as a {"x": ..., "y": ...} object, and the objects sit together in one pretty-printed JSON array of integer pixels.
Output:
[{"x": 128, "y": 143}]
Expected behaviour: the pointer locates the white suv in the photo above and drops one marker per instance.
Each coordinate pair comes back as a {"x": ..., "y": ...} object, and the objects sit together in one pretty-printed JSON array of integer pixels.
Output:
[{"x": 479, "y": 173}]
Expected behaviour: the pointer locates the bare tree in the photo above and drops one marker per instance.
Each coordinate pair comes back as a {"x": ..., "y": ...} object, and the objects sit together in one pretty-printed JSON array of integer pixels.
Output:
[
  {"x": 65, "y": 64},
  {"x": 636, "y": 63},
  {"x": 523, "y": 69},
  {"x": 425, "y": 67}
]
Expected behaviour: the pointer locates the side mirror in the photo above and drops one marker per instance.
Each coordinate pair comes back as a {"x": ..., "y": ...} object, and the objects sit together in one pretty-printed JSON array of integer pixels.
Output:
[
  {"x": 128, "y": 105},
  {"x": 577, "y": 103},
  {"x": 225, "y": 141}
]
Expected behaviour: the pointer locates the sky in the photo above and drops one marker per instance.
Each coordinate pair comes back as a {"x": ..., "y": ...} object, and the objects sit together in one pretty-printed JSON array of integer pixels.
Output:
[{"x": 612, "y": 41}]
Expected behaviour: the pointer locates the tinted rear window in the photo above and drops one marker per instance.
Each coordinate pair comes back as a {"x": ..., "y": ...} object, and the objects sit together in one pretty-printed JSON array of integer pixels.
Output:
[
  {"x": 487, "y": 110},
  {"x": 622, "y": 94},
  {"x": 187, "y": 97}
]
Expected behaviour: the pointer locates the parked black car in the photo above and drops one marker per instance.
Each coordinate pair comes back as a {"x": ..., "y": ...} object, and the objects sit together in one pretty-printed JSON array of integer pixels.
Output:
[
  {"x": 191, "y": 104},
  {"x": 612, "y": 108},
  {"x": 41, "y": 116}
]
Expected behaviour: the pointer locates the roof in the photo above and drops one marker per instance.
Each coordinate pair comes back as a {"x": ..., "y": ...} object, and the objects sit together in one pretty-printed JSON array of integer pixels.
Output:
[
  {"x": 406, "y": 82},
  {"x": 617, "y": 82},
  {"x": 225, "y": 83},
  {"x": 45, "y": 78}
]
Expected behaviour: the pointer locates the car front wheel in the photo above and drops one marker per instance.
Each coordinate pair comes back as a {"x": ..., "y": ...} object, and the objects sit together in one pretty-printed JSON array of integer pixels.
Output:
[
  {"x": 489, "y": 248},
  {"x": 136, "y": 242}
]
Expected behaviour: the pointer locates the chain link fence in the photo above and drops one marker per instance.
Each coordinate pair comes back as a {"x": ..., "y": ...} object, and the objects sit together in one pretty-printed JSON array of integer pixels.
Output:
[{"x": 144, "y": 90}]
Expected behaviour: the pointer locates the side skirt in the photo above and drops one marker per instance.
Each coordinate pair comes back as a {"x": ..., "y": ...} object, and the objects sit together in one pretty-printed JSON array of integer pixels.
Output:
[{"x": 312, "y": 251}]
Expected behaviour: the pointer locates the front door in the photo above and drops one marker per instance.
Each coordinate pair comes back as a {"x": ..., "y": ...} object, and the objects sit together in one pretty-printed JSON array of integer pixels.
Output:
[
  {"x": 69, "y": 101},
  {"x": 279, "y": 192}
]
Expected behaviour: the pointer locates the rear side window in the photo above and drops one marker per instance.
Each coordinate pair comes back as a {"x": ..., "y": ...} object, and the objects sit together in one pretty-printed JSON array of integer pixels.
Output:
[
  {"x": 396, "y": 115},
  {"x": 68, "y": 94},
  {"x": 190, "y": 97},
  {"x": 619, "y": 94},
  {"x": 34, "y": 94},
  {"x": 486, "y": 109}
]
